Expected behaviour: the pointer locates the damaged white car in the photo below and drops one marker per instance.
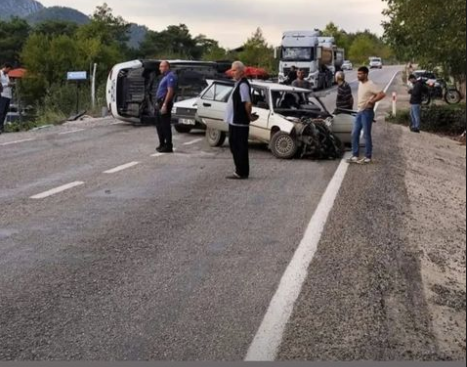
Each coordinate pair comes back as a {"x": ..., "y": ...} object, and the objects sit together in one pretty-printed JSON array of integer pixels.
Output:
[{"x": 293, "y": 122}]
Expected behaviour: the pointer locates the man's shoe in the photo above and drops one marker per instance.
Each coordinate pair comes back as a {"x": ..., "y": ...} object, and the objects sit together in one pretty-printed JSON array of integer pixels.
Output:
[
  {"x": 365, "y": 161},
  {"x": 416, "y": 131},
  {"x": 353, "y": 160},
  {"x": 166, "y": 150},
  {"x": 236, "y": 176},
  {"x": 159, "y": 149}
]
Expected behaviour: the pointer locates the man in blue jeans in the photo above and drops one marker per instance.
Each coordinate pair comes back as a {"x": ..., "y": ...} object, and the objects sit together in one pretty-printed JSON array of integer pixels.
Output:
[
  {"x": 416, "y": 96},
  {"x": 368, "y": 95}
]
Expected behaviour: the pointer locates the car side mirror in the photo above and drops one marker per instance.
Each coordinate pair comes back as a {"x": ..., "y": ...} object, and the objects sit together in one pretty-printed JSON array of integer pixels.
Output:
[{"x": 263, "y": 105}]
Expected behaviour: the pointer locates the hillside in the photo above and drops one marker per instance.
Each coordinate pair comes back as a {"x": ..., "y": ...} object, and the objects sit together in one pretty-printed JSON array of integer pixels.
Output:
[
  {"x": 18, "y": 8},
  {"x": 58, "y": 13}
]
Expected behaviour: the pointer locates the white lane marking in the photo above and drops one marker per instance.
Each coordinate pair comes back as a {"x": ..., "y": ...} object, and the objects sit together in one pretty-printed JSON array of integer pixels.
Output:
[
  {"x": 157, "y": 155},
  {"x": 16, "y": 142},
  {"x": 57, "y": 190},
  {"x": 71, "y": 132},
  {"x": 194, "y": 142},
  {"x": 268, "y": 339},
  {"x": 121, "y": 168}
]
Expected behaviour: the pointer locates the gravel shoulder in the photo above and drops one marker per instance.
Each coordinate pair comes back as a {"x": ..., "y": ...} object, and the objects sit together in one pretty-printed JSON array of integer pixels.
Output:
[{"x": 388, "y": 281}]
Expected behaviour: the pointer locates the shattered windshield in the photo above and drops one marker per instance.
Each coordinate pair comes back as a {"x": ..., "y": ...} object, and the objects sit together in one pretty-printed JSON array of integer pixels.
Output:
[
  {"x": 298, "y": 53},
  {"x": 287, "y": 100}
]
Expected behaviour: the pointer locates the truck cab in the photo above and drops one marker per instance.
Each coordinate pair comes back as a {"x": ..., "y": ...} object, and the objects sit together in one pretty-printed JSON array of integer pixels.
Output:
[{"x": 300, "y": 49}]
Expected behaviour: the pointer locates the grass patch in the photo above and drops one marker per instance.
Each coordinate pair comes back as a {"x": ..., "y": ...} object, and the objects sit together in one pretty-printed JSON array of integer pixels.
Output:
[{"x": 445, "y": 119}]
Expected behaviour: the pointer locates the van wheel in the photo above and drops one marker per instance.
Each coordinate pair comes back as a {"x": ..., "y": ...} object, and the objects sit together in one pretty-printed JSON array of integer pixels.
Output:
[
  {"x": 215, "y": 138},
  {"x": 183, "y": 129},
  {"x": 284, "y": 146}
]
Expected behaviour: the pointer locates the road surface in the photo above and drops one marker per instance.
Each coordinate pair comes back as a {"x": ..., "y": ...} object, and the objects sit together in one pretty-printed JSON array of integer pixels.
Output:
[{"x": 109, "y": 251}]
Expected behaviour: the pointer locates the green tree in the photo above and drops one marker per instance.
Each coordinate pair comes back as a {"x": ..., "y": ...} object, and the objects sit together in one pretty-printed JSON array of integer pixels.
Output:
[
  {"x": 257, "y": 52},
  {"x": 56, "y": 28},
  {"x": 13, "y": 35},
  {"x": 430, "y": 32}
]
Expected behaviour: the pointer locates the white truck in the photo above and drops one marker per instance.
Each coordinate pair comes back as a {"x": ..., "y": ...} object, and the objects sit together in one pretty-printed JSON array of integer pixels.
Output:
[{"x": 309, "y": 51}]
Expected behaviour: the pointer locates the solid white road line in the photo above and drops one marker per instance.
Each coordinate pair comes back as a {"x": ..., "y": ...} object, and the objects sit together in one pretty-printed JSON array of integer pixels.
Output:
[
  {"x": 71, "y": 132},
  {"x": 269, "y": 337},
  {"x": 121, "y": 168},
  {"x": 194, "y": 142},
  {"x": 16, "y": 142},
  {"x": 57, "y": 190}
]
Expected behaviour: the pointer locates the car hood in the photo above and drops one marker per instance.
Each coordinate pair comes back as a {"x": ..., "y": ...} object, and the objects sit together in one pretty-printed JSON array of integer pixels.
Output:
[{"x": 188, "y": 103}]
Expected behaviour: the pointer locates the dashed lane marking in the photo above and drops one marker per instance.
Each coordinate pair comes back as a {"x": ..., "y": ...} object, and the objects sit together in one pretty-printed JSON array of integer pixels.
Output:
[
  {"x": 121, "y": 168},
  {"x": 57, "y": 190}
]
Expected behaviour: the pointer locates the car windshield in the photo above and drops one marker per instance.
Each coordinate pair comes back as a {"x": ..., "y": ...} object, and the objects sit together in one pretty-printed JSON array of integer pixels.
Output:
[
  {"x": 297, "y": 53},
  {"x": 288, "y": 101},
  {"x": 375, "y": 60}
]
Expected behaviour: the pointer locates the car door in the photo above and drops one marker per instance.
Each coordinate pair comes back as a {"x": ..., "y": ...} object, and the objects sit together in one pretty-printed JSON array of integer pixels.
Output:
[
  {"x": 259, "y": 129},
  {"x": 212, "y": 105}
]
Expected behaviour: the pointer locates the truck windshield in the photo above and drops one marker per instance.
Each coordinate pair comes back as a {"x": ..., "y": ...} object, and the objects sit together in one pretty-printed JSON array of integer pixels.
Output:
[{"x": 298, "y": 54}]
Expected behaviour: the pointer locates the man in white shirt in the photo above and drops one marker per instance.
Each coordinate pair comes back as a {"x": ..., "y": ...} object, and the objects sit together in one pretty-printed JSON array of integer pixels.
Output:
[
  {"x": 6, "y": 94},
  {"x": 368, "y": 95}
]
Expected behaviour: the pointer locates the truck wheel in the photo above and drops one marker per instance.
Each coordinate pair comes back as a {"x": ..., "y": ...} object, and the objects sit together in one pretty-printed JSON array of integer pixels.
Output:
[
  {"x": 215, "y": 138},
  {"x": 284, "y": 146},
  {"x": 183, "y": 129}
]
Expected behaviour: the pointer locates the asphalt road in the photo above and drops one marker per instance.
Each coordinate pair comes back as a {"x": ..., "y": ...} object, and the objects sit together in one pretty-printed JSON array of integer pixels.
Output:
[{"x": 161, "y": 259}]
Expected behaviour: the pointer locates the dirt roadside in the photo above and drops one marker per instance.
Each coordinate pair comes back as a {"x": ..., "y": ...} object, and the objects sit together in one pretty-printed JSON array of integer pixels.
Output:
[
  {"x": 436, "y": 186},
  {"x": 388, "y": 280}
]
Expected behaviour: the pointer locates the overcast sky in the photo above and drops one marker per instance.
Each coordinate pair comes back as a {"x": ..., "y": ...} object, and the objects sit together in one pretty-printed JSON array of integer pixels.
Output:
[{"x": 231, "y": 22}]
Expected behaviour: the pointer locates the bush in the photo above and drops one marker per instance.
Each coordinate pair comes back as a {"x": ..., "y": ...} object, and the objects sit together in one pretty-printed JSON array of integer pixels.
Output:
[{"x": 446, "y": 119}]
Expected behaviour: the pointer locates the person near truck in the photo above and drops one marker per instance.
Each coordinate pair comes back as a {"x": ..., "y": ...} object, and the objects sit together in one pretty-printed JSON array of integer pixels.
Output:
[
  {"x": 292, "y": 75},
  {"x": 416, "y": 96},
  {"x": 300, "y": 82},
  {"x": 238, "y": 116},
  {"x": 345, "y": 99},
  {"x": 165, "y": 99},
  {"x": 368, "y": 95},
  {"x": 6, "y": 94}
]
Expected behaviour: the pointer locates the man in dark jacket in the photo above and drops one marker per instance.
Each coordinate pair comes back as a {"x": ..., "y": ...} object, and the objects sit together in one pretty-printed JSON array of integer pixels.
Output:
[
  {"x": 345, "y": 99},
  {"x": 238, "y": 116},
  {"x": 416, "y": 103},
  {"x": 292, "y": 75}
]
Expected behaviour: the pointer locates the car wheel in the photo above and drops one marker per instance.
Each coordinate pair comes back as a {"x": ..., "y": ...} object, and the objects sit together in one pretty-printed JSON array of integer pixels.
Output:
[
  {"x": 183, "y": 129},
  {"x": 215, "y": 138},
  {"x": 284, "y": 146}
]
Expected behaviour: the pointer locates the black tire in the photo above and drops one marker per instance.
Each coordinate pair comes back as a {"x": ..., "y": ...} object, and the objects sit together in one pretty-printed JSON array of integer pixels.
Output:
[
  {"x": 284, "y": 146},
  {"x": 426, "y": 99},
  {"x": 453, "y": 96},
  {"x": 183, "y": 129},
  {"x": 215, "y": 138}
]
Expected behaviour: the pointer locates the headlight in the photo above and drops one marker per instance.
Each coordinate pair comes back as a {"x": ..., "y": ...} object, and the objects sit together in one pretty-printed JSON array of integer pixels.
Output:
[{"x": 174, "y": 110}]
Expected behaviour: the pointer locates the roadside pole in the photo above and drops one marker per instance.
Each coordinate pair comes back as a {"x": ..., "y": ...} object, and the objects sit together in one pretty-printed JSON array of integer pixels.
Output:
[
  {"x": 394, "y": 104},
  {"x": 93, "y": 87}
]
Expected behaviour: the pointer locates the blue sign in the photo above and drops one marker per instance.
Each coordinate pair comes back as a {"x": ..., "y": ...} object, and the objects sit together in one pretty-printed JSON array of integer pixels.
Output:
[{"x": 77, "y": 75}]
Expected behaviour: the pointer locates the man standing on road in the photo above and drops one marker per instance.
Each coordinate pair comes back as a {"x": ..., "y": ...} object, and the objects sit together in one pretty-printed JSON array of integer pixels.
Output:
[
  {"x": 238, "y": 116},
  {"x": 165, "y": 100},
  {"x": 416, "y": 103},
  {"x": 345, "y": 99},
  {"x": 300, "y": 82},
  {"x": 368, "y": 95},
  {"x": 6, "y": 94}
]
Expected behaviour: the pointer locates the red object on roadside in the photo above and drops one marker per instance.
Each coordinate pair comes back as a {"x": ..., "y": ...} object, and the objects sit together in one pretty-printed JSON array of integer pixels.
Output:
[
  {"x": 17, "y": 73},
  {"x": 252, "y": 73}
]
